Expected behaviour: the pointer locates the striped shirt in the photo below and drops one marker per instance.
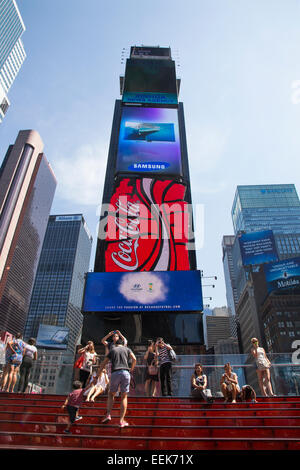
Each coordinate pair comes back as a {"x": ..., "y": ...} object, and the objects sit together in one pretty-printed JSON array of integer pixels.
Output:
[{"x": 164, "y": 355}]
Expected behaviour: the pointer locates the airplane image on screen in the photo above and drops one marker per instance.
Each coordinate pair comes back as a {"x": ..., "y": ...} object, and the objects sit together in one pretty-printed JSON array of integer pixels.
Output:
[{"x": 149, "y": 132}]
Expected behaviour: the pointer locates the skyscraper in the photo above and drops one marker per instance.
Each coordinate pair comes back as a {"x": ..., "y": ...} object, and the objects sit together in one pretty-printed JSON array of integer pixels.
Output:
[
  {"x": 146, "y": 224},
  {"x": 58, "y": 289},
  {"x": 258, "y": 210},
  {"x": 12, "y": 53},
  {"x": 27, "y": 186},
  {"x": 272, "y": 206}
]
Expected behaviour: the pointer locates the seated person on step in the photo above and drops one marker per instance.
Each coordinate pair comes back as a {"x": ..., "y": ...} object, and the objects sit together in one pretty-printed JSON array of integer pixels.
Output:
[
  {"x": 229, "y": 384},
  {"x": 199, "y": 384}
]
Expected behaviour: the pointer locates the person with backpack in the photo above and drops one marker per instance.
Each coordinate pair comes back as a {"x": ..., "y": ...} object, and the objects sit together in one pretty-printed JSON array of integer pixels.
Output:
[{"x": 163, "y": 351}]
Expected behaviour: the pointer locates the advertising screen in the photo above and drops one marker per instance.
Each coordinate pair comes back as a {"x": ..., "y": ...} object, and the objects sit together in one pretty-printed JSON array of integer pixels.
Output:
[
  {"x": 143, "y": 292},
  {"x": 150, "y": 81},
  {"x": 52, "y": 337},
  {"x": 283, "y": 275},
  {"x": 149, "y": 141},
  {"x": 147, "y": 227},
  {"x": 258, "y": 247}
]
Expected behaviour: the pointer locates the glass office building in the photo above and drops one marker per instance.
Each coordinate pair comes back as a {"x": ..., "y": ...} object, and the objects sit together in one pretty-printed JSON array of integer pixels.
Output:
[
  {"x": 266, "y": 207},
  {"x": 257, "y": 208},
  {"x": 12, "y": 53},
  {"x": 59, "y": 284}
]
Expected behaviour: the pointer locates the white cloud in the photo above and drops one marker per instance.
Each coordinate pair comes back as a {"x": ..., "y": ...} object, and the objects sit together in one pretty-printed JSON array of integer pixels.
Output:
[
  {"x": 144, "y": 288},
  {"x": 80, "y": 177}
]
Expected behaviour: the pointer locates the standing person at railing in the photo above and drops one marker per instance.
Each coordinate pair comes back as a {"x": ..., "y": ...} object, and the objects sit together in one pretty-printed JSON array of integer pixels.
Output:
[
  {"x": 89, "y": 359},
  {"x": 162, "y": 350},
  {"x": 151, "y": 370},
  {"x": 30, "y": 355},
  {"x": 263, "y": 368},
  {"x": 13, "y": 359}
]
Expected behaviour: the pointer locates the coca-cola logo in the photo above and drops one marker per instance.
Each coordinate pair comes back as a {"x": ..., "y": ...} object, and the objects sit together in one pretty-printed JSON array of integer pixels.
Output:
[
  {"x": 127, "y": 220},
  {"x": 143, "y": 227}
]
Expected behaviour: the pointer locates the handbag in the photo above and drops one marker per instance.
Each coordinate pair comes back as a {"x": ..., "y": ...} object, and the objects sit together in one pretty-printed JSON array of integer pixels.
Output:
[
  {"x": 79, "y": 362},
  {"x": 172, "y": 354},
  {"x": 152, "y": 369}
]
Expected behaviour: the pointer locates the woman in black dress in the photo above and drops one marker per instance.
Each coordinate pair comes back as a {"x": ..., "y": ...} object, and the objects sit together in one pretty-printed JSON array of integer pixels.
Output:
[{"x": 151, "y": 372}]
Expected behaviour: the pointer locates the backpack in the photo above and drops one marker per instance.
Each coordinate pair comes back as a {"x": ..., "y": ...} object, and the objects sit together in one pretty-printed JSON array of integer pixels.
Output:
[{"x": 172, "y": 354}]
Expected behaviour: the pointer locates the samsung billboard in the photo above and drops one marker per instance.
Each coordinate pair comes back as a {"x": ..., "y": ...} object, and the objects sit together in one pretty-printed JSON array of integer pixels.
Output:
[
  {"x": 143, "y": 292},
  {"x": 283, "y": 275},
  {"x": 149, "y": 141},
  {"x": 258, "y": 247}
]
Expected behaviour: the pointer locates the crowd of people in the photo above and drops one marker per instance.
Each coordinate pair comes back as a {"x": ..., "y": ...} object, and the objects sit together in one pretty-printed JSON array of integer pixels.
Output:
[
  {"x": 115, "y": 374},
  {"x": 19, "y": 358}
]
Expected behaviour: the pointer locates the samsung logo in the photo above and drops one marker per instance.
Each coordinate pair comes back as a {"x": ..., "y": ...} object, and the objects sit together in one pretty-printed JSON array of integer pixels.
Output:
[{"x": 277, "y": 191}]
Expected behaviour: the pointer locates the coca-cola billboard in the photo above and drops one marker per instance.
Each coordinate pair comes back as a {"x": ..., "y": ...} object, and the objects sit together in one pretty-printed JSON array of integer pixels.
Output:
[{"x": 147, "y": 227}]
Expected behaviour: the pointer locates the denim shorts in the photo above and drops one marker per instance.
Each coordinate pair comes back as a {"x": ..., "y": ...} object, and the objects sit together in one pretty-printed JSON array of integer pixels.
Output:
[{"x": 120, "y": 378}]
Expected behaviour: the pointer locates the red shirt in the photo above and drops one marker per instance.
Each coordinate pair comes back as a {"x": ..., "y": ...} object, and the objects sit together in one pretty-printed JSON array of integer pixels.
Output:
[{"x": 76, "y": 397}]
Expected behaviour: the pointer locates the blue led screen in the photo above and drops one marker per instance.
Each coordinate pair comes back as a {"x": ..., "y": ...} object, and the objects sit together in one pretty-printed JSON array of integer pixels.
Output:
[
  {"x": 143, "y": 291},
  {"x": 283, "y": 275},
  {"x": 258, "y": 247}
]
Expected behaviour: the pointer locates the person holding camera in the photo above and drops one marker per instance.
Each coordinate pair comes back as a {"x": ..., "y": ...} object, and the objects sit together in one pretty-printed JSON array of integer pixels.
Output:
[
  {"x": 89, "y": 359},
  {"x": 151, "y": 373},
  {"x": 162, "y": 350},
  {"x": 117, "y": 338}
]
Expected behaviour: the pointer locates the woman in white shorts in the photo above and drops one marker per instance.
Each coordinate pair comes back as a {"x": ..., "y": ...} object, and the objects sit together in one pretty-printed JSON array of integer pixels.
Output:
[
  {"x": 98, "y": 385},
  {"x": 262, "y": 368}
]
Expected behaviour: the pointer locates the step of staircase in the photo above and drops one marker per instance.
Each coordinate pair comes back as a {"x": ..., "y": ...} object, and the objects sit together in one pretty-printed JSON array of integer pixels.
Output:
[{"x": 155, "y": 424}]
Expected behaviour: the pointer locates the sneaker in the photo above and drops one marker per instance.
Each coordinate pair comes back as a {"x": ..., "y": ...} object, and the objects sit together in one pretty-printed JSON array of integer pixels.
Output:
[
  {"x": 123, "y": 424},
  {"x": 106, "y": 419},
  {"x": 78, "y": 418}
]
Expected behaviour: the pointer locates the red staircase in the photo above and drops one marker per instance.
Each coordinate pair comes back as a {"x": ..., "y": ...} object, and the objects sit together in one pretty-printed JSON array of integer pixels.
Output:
[{"x": 156, "y": 424}]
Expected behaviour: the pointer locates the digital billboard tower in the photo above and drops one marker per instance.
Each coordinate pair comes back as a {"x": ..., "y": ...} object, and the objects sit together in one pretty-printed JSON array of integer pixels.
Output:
[{"x": 145, "y": 278}]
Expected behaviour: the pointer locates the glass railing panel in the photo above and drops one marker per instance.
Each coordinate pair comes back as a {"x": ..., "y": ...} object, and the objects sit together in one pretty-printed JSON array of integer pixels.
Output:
[{"x": 54, "y": 372}]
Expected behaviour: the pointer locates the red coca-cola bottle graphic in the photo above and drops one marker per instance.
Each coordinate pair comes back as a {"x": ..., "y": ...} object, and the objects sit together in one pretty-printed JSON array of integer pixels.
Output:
[{"x": 147, "y": 226}]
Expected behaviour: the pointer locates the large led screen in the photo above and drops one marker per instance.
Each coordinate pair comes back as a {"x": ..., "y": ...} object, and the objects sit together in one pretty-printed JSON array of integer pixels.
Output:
[
  {"x": 258, "y": 247},
  {"x": 149, "y": 141},
  {"x": 52, "y": 337},
  {"x": 143, "y": 292},
  {"x": 147, "y": 227},
  {"x": 150, "y": 81},
  {"x": 283, "y": 275}
]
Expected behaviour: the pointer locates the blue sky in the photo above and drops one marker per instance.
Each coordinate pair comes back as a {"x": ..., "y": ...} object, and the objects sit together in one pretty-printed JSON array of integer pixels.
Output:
[{"x": 239, "y": 64}]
